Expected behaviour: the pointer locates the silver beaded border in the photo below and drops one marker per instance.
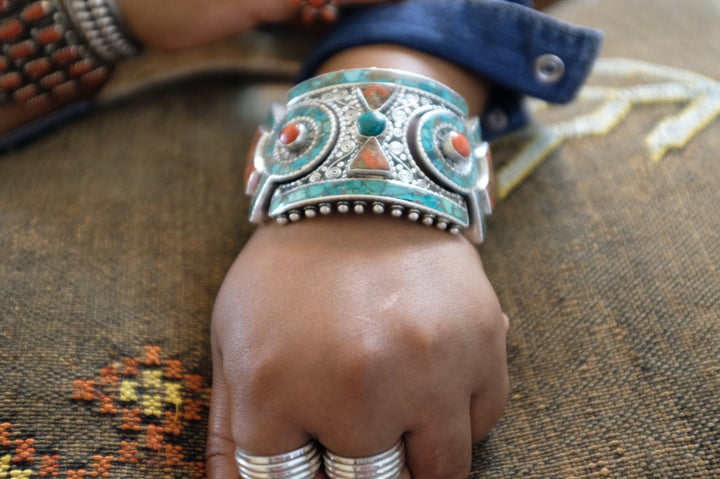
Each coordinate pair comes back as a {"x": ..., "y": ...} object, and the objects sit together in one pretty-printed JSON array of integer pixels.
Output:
[{"x": 101, "y": 24}]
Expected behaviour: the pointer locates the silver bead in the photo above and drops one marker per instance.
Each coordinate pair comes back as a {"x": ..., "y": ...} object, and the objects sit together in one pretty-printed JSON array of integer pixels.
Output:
[
  {"x": 428, "y": 220},
  {"x": 343, "y": 207},
  {"x": 454, "y": 230},
  {"x": 378, "y": 208},
  {"x": 413, "y": 215},
  {"x": 294, "y": 216},
  {"x": 441, "y": 225},
  {"x": 310, "y": 212},
  {"x": 281, "y": 220},
  {"x": 396, "y": 211},
  {"x": 325, "y": 208},
  {"x": 359, "y": 207}
]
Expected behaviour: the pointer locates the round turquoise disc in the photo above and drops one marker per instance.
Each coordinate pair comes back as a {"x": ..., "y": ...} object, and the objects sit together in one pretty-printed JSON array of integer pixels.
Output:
[{"x": 371, "y": 123}]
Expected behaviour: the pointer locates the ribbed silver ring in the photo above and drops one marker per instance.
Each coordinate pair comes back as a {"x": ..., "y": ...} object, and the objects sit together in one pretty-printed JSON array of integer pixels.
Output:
[
  {"x": 302, "y": 463},
  {"x": 386, "y": 465}
]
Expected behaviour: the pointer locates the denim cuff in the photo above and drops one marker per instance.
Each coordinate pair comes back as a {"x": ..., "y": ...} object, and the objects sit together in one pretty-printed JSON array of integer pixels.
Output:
[{"x": 520, "y": 50}]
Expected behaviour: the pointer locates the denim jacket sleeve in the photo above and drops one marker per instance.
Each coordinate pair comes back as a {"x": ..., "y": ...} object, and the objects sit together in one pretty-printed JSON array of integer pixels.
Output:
[{"x": 520, "y": 50}]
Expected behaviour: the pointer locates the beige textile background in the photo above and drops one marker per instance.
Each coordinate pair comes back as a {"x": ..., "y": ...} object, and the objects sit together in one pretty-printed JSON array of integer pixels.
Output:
[{"x": 116, "y": 231}]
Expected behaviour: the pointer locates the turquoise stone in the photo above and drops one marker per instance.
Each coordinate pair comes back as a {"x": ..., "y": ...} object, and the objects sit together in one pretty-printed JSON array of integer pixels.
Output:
[
  {"x": 371, "y": 189},
  {"x": 371, "y": 123}
]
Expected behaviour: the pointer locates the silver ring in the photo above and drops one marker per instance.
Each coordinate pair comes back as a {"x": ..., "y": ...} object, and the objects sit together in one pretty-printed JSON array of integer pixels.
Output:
[
  {"x": 302, "y": 463},
  {"x": 386, "y": 465}
]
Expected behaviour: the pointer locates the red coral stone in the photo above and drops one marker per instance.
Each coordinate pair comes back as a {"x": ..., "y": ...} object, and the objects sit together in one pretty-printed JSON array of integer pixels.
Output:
[
  {"x": 36, "y": 11},
  {"x": 10, "y": 81},
  {"x": 95, "y": 78},
  {"x": 52, "y": 80},
  {"x": 49, "y": 35},
  {"x": 460, "y": 143},
  {"x": 25, "y": 93},
  {"x": 22, "y": 50},
  {"x": 37, "y": 68},
  {"x": 10, "y": 30},
  {"x": 289, "y": 134},
  {"x": 65, "y": 55},
  {"x": 80, "y": 68}
]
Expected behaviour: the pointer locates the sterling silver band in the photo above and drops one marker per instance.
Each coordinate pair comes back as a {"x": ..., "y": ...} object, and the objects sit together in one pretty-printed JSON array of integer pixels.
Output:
[
  {"x": 386, "y": 465},
  {"x": 302, "y": 463}
]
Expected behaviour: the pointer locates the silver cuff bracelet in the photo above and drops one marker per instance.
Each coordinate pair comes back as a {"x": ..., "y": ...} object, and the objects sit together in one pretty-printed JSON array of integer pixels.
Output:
[
  {"x": 375, "y": 140},
  {"x": 51, "y": 49}
]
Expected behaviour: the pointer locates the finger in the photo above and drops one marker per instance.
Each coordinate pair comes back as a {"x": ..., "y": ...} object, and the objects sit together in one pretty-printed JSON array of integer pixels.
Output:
[
  {"x": 488, "y": 402},
  {"x": 440, "y": 447},
  {"x": 220, "y": 460},
  {"x": 233, "y": 425}
]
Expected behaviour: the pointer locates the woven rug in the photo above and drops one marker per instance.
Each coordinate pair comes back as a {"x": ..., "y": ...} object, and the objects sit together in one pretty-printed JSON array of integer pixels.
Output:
[{"x": 605, "y": 257}]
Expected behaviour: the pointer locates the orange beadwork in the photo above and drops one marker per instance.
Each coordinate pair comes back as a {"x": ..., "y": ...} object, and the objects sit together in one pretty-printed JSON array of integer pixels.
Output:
[
  {"x": 130, "y": 366},
  {"x": 5, "y": 434},
  {"x": 128, "y": 452},
  {"x": 49, "y": 466},
  {"x": 108, "y": 405},
  {"x": 101, "y": 465},
  {"x": 173, "y": 455},
  {"x": 83, "y": 390},
  {"x": 193, "y": 382},
  {"x": 152, "y": 356},
  {"x": 173, "y": 369},
  {"x": 73, "y": 474},
  {"x": 131, "y": 420},
  {"x": 109, "y": 375},
  {"x": 154, "y": 437},
  {"x": 24, "y": 450},
  {"x": 191, "y": 410},
  {"x": 143, "y": 440},
  {"x": 172, "y": 424}
]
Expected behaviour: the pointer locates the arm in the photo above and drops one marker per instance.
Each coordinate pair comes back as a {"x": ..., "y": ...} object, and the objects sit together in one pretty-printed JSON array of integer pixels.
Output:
[
  {"x": 357, "y": 331},
  {"x": 152, "y": 23}
]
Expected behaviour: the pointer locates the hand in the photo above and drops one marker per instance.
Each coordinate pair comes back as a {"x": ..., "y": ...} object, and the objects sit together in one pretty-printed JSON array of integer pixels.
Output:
[
  {"x": 356, "y": 331},
  {"x": 187, "y": 23}
]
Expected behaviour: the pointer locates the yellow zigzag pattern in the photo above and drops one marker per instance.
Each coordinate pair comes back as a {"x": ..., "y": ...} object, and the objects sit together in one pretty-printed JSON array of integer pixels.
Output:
[{"x": 668, "y": 85}]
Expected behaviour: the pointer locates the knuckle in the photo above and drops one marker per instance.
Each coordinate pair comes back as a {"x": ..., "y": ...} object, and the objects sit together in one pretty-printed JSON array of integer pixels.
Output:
[{"x": 358, "y": 369}]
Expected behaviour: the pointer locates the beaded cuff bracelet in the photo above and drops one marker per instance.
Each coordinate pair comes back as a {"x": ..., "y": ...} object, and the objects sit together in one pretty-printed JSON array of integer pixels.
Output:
[
  {"x": 372, "y": 140},
  {"x": 49, "y": 49}
]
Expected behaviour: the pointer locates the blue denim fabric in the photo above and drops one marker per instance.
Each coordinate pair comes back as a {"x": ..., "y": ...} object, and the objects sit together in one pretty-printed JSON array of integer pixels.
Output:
[{"x": 498, "y": 39}]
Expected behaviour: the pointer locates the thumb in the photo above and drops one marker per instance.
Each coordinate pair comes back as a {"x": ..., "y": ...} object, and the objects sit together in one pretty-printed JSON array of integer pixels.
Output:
[{"x": 220, "y": 452}]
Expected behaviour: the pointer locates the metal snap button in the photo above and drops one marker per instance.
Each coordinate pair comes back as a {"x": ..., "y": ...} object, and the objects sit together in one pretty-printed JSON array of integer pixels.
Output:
[
  {"x": 549, "y": 68},
  {"x": 496, "y": 120}
]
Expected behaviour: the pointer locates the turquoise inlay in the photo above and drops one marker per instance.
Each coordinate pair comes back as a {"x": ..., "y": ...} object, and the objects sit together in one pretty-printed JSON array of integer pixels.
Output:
[
  {"x": 313, "y": 156},
  {"x": 372, "y": 188},
  {"x": 395, "y": 77},
  {"x": 371, "y": 123},
  {"x": 430, "y": 122}
]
